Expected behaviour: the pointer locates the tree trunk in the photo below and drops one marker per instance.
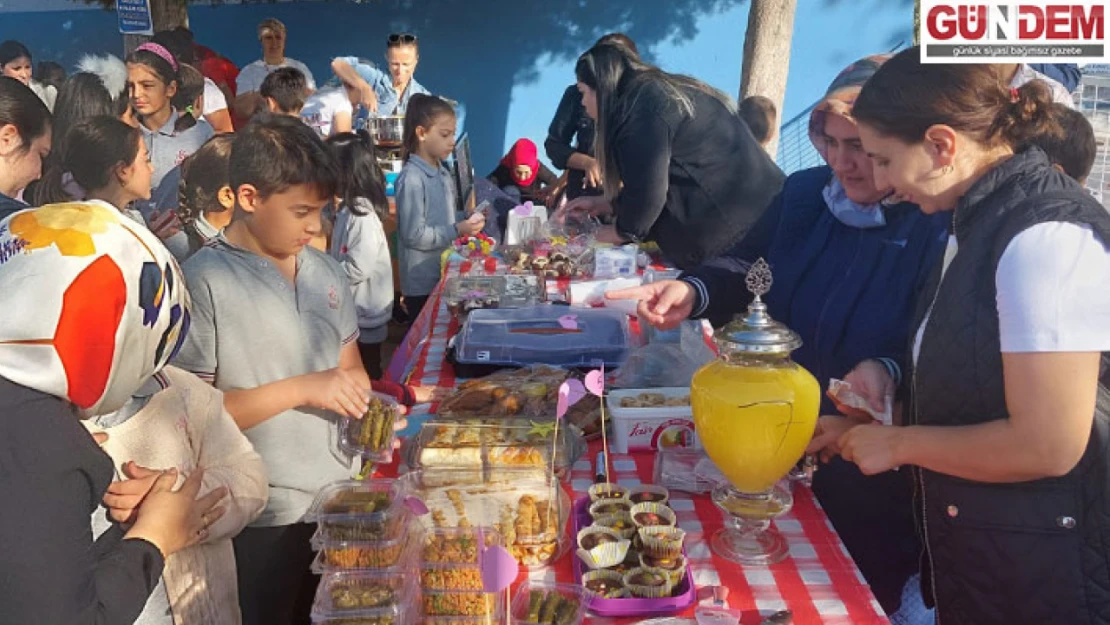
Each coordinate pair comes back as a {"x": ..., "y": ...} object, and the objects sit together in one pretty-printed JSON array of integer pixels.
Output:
[
  {"x": 767, "y": 54},
  {"x": 917, "y": 22},
  {"x": 166, "y": 15}
]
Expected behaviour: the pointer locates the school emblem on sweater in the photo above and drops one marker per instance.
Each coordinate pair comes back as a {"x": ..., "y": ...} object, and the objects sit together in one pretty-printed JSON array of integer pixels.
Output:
[{"x": 333, "y": 298}]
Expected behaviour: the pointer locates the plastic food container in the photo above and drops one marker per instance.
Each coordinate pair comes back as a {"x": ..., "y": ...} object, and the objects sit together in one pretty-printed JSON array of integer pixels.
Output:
[
  {"x": 449, "y": 557},
  {"x": 372, "y": 436},
  {"x": 357, "y": 510},
  {"x": 520, "y": 506},
  {"x": 543, "y": 603},
  {"x": 479, "y": 449},
  {"x": 527, "y": 336},
  {"x": 383, "y": 599},
  {"x": 438, "y": 603},
  {"x": 531, "y": 392},
  {"x": 368, "y": 555},
  {"x": 683, "y": 594},
  {"x": 639, "y": 425},
  {"x": 464, "y": 294}
]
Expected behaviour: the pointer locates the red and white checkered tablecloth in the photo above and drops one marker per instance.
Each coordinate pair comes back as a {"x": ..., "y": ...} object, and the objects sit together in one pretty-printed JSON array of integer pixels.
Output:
[{"x": 819, "y": 582}]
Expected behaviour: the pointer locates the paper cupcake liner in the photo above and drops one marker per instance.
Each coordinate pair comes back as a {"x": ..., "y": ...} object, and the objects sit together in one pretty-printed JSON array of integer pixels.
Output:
[
  {"x": 595, "y": 507},
  {"x": 649, "y": 488},
  {"x": 607, "y": 522},
  {"x": 605, "y": 556},
  {"x": 608, "y": 575},
  {"x": 674, "y": 575},
  {"x": 607, "y": 490},
  {"x": 594, "y": 530},
  {"x": 647, "y": 592},
  {"x": 663, "y": 511},
  {"x": 662, "y": 542}
]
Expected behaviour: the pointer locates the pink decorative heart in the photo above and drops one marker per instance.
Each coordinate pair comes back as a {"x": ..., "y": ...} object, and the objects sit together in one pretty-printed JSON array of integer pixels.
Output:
[
  {"x": 568, "y": 322},
  {"x": 416, "y": 506},
  {"x": 498, "y": 568},
  {"x": 570, "y": 392},
  {"x": 595, "y": 382}
]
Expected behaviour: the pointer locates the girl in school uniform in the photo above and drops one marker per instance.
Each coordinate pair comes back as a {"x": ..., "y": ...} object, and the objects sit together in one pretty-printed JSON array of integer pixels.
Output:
[
  {"x": 426, "y": 208},
  {"x": 359, "y": 243},
  {"x": 153, "y": 79}
]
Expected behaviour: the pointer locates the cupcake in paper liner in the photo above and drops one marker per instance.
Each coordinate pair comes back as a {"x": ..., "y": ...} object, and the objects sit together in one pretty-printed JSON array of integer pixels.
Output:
[
  {"x": 607, "y": 490},
  {"x": 649, "y": 493},
  {"x": 647, "y": 584},
  {"x": 621, "y": 523},
  {"x": 673, "y": 568},
  {"x": 662, "y": 541},
  {"x": 605, "y": 507},
  {"x": 604, "y": 584},
  {"x": 601, "y": 548},
  {"x": 652, "y": 515}
]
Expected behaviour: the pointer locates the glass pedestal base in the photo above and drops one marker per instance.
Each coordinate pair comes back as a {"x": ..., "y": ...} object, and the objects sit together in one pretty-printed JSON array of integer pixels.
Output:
[{"x": 747, "y": 537}]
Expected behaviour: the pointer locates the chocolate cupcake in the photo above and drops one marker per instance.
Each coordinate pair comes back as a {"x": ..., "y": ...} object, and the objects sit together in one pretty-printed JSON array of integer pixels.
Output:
[
  {"x": 647, "y": 584},
  {"x": 649, "y": 493},
  {"x": 652, "y": 515},
  {"x": 607, "y": 490},
  {"x": 604, "y": 584}
]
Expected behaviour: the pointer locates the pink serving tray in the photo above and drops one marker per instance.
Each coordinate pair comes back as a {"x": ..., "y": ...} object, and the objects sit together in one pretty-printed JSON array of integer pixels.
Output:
[{"x": 632, "y": 606}]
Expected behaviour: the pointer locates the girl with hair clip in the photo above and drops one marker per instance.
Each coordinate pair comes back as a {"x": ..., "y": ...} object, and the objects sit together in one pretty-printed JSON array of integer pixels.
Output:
[
  {"x": 1008, "y": 427},
  {"x": 171, "y": 134},
  {"x": 359, "y": 242},
  {"x": 206, "y": 201},
  {"x": 427, "y": 220},
  {"x": 678, "y": 165}
]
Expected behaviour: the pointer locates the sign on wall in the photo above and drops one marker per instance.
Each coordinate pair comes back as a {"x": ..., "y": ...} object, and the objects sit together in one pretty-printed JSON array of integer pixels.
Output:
[{"x": 134, "y": 17}]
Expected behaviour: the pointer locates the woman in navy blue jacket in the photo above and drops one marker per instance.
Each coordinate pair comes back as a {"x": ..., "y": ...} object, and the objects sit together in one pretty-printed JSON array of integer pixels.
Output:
[{"x": 846, "y": 271}]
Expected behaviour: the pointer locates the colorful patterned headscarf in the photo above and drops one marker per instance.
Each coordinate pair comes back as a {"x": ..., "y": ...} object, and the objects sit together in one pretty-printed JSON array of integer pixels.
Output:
[
  {"x": 97, "y": 305},
  {"x": 841, "y": 96}
]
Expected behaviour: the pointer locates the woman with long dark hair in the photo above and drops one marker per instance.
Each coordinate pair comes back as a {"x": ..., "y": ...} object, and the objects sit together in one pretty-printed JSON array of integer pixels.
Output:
[
  {"x": 570, "y": 137},
  {"x": 24, "y": 142},
  {"x": 1009, "y": 427},
  {"x": 678, "y": 165}
]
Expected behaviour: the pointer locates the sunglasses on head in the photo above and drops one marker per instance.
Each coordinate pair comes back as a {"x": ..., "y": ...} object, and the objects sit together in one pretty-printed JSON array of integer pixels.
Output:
[{"x": 400, "y": 39}]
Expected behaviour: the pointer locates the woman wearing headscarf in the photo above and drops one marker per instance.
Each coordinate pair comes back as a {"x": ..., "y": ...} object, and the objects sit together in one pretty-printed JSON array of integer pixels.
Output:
[
  {"x": 521, "y": 174},
  {"x": 678, "y": 165},
  {"x": 101, "y": 308},
  {"x": 847, "y": 268}
]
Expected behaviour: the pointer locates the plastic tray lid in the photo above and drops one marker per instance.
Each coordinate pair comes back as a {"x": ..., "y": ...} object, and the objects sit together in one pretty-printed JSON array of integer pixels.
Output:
[
  {"x": 364, "y": 594},
  {"x": 552, "y": 335}
]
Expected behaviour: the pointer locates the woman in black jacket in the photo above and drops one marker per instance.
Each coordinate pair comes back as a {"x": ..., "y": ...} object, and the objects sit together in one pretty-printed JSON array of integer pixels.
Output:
[
  {"x": 678, "y": 165},
  {"x": 1008, "y": 427},
  {"x": 98, "y": 306},
  {"x": 570, "y": 138}
]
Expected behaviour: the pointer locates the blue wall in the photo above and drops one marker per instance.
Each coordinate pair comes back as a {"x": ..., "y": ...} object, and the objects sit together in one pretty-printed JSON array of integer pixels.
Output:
[{"x": 509, "y": 60}]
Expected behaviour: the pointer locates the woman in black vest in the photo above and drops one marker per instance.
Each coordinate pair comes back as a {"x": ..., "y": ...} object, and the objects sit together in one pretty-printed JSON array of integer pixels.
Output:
[
  {"x": 570, "y": 137},
  {"x": 1007, "y": 424},
  {"x": 678, "y": 165}
]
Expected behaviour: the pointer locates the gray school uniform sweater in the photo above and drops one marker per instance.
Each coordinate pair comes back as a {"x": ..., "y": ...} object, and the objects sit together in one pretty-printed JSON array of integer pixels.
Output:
[
  {"x": 250, "y": 327},
  {"x": 426, "y": 219}
]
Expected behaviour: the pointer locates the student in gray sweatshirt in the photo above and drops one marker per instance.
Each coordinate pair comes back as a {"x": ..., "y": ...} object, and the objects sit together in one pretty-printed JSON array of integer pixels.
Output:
[
  {"x": 171, "y": 136},
  {"x": 428, "y": 222}
]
